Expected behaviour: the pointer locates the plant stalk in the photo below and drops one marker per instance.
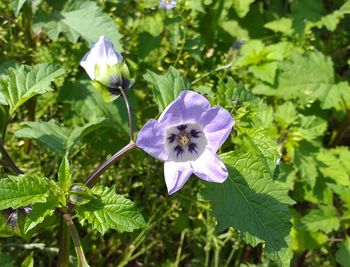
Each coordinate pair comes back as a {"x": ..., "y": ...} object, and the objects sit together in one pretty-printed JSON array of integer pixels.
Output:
[
  {"x": 64, "y": 245},
  {"x": 7, "y": 159},
  {"x": 96, "y": 174},
  {"x": 74, "y": 234},
  {"x": 126, "y": 100}
]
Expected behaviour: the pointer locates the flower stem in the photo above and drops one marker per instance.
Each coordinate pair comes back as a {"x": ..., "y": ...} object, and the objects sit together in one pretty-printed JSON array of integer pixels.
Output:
[
  {"x": 96, "y": 174},
  {"x": 129, "y": 114},
  {"x": 64, "y": 244},
  {"x": 76, "y": 240},
  {"x": 9, "y": 161}
]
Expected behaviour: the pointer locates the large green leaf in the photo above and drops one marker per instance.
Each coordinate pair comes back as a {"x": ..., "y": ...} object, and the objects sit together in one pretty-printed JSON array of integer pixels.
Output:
[
  {"x": 27, "y": 81},
  {"x": 23, "y": 190},
  {"x": 79, "y": 18},
  {"x": 315, "y": 81},
  {"x": 56, "y": 137},
  {"x": 166, "y": 87},
  {"x": 50, "y": 134},
  {"x": 242, "y": 7},
  {"x": 110, "y": 211},
  {"x": 251, "y": 202}
]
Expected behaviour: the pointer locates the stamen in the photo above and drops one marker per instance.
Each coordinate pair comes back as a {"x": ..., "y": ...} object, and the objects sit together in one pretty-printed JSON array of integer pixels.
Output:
[
  {"x": 179, "y": 150},
  {"x": 194, "y": 133},
  {"x": 171, "y": 138},
  {"x": 192, "y": 147},
  {"x": 182, "y": 127},
  {"x": 183, "y": 139}
]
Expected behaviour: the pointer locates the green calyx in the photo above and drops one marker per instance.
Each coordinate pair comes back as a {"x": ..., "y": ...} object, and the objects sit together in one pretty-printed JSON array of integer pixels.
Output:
[{"x": 109, "y": 80}]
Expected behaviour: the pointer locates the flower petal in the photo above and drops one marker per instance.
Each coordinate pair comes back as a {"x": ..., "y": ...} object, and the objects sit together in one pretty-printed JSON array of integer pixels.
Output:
[
  {"x": 102, "y": 52},
  {"x": 187, "y": 108},
  {"x": 209, "y": 167},
  {"x": 151, "y": 139},
  {"x": 176, "y": 175},
  {"x": 217, "y": 125}
]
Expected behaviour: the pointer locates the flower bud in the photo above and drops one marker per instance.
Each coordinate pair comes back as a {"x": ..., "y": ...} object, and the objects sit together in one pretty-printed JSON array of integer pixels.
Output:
[
  {"x": 80, "y": 194},
  {"x": 106, "y": 69}
]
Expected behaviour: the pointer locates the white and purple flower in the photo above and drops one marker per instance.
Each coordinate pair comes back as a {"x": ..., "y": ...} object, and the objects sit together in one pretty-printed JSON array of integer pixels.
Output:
[
  {"x": 168, "y": 4},
  {"x": 186, "y": 137}
]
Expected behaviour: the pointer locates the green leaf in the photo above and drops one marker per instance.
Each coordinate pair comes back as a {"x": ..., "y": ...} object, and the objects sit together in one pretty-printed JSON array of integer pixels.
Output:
[
  {"x": 286, "y": 114},
  {"x": 343, "y": 254},
  {"x": 311, "y": 127},
  {"x": 23, "y": 190},
  {"x": 305, "y": 11},
  {"x": 28, "y": 261},
  {"x": 260, "y": 144},
  {"x": 110, "y": 211},
  {"x": 26, "y": 82},
  {"x": 283, "y": 25},
  {"x": 265, "y": 72},
  {"x": 242, "y": 7},
  {"x": 50, "y": 134},
  {"x": 7, "y": 260},
  {"x": 305, "y": 161},
  {"x": 337, "y": 96},
  {"x": 251, "y": 202},
  {"x": 335, "y": 164},
  {"x": 302, "y": 240},
  {"x": 38, "y": 213},
  {"x": 322, "y": 219},
  {"x": 166, "y": 87},
  {"x": 79, "y": 18},
  {"x": 17, "y": 5},
  {"x": 315, "y": 81}
]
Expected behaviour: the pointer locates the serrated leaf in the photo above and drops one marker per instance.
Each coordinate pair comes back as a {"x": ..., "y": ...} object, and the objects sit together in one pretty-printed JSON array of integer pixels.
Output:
[
  {"x": 259, "y": 143},
  {"x": 79, "y": 18},
  {"x": 27, "y": 81},
  {"x": 38, "y": 213},
  {"x": 50, "y": 134},
  {"x": 322, "y": 219},
  {"x": 343, "y": 254},
  {"x": 286, "y": 114},
  {"x": 335, "y": 164},
  {"x": 110, "y": 211},
  {"x": 305, "y": 11},
  {"x": 315, "y": 81},
  {"x": 23, "y": 190},
  {"x": 311, "y": 127},
  {"x": 337, "y": 96},
  {"x": 265, "y": 72},
  {"x": 166, "y": 87},
  {"x": 251, "y": 202}
]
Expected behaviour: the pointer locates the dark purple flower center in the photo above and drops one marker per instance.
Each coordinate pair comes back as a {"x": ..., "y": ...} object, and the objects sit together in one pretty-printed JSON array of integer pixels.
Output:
[{"x": 185, "y": 138}]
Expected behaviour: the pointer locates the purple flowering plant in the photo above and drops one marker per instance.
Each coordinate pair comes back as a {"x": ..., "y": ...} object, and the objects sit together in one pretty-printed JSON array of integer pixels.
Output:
[{"x": 186, "y": 137}]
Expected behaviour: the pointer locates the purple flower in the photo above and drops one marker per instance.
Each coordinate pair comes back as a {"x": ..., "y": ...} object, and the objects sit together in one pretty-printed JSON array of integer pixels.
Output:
[
  {"x": 168, "y": 4},
  {"x": 187, "y": 136},
  {"x": 102, "y": 53}
]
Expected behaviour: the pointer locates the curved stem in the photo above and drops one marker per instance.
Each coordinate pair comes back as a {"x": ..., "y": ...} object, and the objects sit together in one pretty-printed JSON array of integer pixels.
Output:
[
  {"x": 94, "y": 176},
  {"x": 129, "y": 114},
  {"x": 9, "y": 161}
]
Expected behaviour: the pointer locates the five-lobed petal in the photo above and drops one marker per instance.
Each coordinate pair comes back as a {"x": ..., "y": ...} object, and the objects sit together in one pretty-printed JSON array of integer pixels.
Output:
[{"x": 187, "y": 136}]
